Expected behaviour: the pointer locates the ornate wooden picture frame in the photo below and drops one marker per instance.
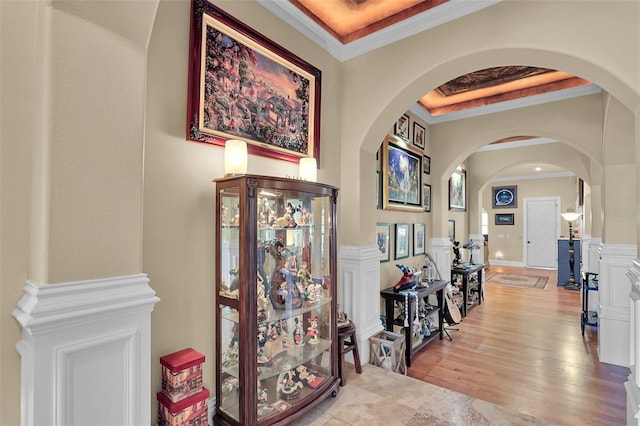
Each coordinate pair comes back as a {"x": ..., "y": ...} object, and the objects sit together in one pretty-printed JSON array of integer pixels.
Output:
[{"x": 244, "y": 86}]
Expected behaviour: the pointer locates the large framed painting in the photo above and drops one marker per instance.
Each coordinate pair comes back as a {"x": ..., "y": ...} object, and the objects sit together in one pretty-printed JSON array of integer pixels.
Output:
[
  {"x": 505, "y": 196},
  {"x": 401, "y": 176},
  {"x": 383, "y": 239},
  {"x": 458, "y": 191},
  {"x": 244, "y": 86}
]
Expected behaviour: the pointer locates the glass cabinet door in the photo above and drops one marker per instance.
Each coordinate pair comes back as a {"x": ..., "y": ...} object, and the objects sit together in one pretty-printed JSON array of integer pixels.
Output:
[{"x": 294, "y": 297}]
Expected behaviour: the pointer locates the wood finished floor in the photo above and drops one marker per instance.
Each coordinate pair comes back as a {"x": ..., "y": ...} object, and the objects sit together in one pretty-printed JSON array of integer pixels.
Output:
[{"x": 522, "y": 349}]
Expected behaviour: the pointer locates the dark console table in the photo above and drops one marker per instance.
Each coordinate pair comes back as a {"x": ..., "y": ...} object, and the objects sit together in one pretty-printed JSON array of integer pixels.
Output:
[
  {"x": 467, "y": 272},
  {"x": 390, "y": 297}
]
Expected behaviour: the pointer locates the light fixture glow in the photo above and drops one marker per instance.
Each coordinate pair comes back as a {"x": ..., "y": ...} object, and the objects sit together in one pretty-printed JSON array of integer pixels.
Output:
[
  {"x": 570, "y": 215},
  {"x": 537, "y": 169},
  {"x": 308, "y": 169},
  {"x": 235, "y": 157}
]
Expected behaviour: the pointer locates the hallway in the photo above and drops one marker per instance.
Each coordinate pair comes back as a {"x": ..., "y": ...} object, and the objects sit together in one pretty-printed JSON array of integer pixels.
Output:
[{"x": 522, "y": 349}]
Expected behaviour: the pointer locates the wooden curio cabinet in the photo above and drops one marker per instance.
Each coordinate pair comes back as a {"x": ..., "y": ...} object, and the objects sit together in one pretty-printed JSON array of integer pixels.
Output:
[{"x": 276, "y": 298}]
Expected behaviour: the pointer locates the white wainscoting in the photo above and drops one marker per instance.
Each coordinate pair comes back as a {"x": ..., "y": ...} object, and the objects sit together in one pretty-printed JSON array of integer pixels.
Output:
[
  {"x": 632, "y": 386},
  {"x": 86, "y": 352},
  {"x": 614, "y": 289},
  {"x": 359, "y": 293}
]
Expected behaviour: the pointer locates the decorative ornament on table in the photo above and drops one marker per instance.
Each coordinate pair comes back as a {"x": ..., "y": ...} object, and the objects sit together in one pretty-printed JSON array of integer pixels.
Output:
[
  {"x": 406, "y": 282},
  {"x": 471, "y": 246},
  {"x": 457, "y": 261}
]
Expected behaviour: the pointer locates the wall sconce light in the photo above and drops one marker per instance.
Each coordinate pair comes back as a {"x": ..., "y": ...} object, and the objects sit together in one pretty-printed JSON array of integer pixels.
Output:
[
  {"x": 235, "y": 157},
  {"x": 308, "y": 169}
]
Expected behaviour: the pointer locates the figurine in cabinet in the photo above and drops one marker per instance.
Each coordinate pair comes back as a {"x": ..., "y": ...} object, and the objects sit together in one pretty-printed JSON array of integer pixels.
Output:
[
  {"x": 263, "y": 302},
  {"x": 306, "y": 376},
  {"x": 298, "y": 332},
  {"x": 312, "y": 331}
]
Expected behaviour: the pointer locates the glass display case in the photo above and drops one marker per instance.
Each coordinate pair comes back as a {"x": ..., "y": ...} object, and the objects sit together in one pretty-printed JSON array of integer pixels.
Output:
[{"x": 276, "y": 298}]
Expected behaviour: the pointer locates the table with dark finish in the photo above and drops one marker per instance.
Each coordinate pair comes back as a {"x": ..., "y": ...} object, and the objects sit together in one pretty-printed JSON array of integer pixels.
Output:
[
  {"x": 465, "y": 271},
  {"x": 390, "y": 297}
]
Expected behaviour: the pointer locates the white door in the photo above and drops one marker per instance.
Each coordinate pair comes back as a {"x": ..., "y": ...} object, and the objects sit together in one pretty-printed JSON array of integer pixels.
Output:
[{"x": 541, "y": 225}]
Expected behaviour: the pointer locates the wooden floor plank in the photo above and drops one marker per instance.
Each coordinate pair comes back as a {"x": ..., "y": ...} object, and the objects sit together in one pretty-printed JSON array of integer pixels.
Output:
[{"x": 523, "y": 349}]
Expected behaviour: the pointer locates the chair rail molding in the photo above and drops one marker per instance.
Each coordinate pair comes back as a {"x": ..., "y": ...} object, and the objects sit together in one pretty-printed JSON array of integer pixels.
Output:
[
  {"x": 359, "y": 292},
  {"x": 614, "y": 288},
  {"x": 86, "y": 351}
]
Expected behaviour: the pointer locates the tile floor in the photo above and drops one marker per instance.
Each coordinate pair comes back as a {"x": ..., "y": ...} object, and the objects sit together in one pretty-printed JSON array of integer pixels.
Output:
[{"x": 382, "y": 397}]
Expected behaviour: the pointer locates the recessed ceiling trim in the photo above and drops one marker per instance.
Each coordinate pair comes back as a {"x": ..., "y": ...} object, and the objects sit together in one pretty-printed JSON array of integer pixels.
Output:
[
  {"x": 449, "y": 11},
  {"x": 558, "y": 95},
  {"x": 532, "y": 177},
  {"x": 516, "y": 144}
]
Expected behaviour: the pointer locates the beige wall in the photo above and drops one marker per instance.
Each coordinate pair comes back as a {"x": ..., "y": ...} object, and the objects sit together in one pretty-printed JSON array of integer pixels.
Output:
[
  {"x": 508, "y": 239},
  {"x": 74, "y": 89},
  {"x": 178, "y": 191}
]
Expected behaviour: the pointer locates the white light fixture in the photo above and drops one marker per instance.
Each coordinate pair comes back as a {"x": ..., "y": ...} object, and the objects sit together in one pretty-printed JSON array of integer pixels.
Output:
[
  {"x": 570, "y": 216},
  {"x": 308, "y": 169},
  {"x": 235, "y": 157}
]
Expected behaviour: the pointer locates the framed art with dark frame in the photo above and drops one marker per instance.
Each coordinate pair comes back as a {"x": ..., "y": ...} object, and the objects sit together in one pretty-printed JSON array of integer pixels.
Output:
[
  {"x": 458, "y": 191},
  {"x": 504, "y": 219},
  {"x": 402, "y": 240},
  {"x": 401, "y": 177},
  {"x": 426, "y": 197},
  {"x": 505, "y": 196},
  {"x": 419, "y": 135},
  {"x": 401, "y": 128},
  {"x": 383, "y": 239},
  {"x": 244, "y": 86},
  {"x": 419, "y": 235},
  {"x": 426, "y": 164},
  {"x": 451, "y": 232}
]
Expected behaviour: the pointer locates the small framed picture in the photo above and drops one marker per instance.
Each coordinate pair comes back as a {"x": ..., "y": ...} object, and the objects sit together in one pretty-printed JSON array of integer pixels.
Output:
[
  {"x": 426, "y": 164},
  {"x": 383, "y": 239},
  {"x": 504, "y": 218},
  {"x": 402, "y": 240},
  {"x": 419, "y": 135},
  {"x": 505, "y": 196},
  {"x": 402, "y": 127},
  {"x": 426, "y": 197},
  {"x": 452, "y": 230},
  {"x": 419, "y": 231}
]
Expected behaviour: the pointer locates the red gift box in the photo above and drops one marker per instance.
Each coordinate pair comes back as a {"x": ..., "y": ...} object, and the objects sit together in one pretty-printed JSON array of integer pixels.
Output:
[
  {"x": 182, "y": 374},
  {"x": 193, "y": 410}
]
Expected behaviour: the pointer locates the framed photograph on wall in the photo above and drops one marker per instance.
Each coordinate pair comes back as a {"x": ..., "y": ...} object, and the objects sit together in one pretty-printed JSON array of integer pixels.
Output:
[
  {"x": 378, "y": 203},
  {"x": 419, "y": 235},
  {"x": 505, "y": 196},
  {"x": 426, "y": 197},
  {"x": 426, "y": 164},
  {"x": 401, "y": 128},
  {"x": 458, "y": 191},
  {"x": 244, "y": 86},
  {"x": 451, "y": 232},
  {"x": 402, "y": 240},
  {"x": 419, "y": 135},
  {"x": 383, "y": 239},
  {"x": 401, "y": 177},
  {"x": 504, "y": 219}
]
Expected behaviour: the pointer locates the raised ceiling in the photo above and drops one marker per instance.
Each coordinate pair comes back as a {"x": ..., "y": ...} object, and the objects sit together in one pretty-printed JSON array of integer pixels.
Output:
[{"x": 347, "y": 28}]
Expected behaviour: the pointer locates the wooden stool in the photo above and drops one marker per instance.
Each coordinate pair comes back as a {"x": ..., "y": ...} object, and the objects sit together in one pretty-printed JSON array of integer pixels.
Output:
[{"x": 345, "y": 346}]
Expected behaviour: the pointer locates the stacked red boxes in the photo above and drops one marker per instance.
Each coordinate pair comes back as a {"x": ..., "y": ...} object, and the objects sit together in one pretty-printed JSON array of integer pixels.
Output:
[{"x": 183, "y": 400}]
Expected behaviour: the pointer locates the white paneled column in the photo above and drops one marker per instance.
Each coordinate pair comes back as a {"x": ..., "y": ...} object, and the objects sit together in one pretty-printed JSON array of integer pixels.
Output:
[
  {"x": 632, "y": 386},
  {"x": 86, "y": 352},
  {"x": 359, "y": 292},
  {"x": 592, "y": 253},
  {"x": 614, "y": 290}
]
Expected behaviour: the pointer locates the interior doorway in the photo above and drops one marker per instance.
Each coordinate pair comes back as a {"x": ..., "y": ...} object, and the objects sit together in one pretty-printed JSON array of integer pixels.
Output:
[{"x": 541, "y": 229}]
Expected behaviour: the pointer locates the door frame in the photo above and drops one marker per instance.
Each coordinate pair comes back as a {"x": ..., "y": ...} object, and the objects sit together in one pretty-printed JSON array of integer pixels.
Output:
[{"x": 525, "y": 225}]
